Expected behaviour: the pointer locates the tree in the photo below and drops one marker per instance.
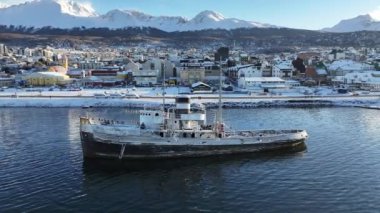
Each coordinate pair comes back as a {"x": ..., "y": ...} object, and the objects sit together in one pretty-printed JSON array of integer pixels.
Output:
[{"x": 298, "y": 64}]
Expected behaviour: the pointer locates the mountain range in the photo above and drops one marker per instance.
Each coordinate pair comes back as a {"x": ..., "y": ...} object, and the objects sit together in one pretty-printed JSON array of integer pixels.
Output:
[
  {"x": 67, "y": 14},
  {"x": 359, "y": 23}
]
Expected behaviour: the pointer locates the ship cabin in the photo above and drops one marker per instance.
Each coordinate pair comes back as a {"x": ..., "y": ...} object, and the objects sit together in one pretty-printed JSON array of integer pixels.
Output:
[
  {"x": 183, "y": 120},
  {"x": 185, "y": 117},
  {"x": 151, "y": 119}
]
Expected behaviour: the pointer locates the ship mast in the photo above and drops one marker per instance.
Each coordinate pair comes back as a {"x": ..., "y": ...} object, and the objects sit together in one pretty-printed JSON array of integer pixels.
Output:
[
  {"x": 163, "y": 89},
  {"x": 220, "y": 118}
]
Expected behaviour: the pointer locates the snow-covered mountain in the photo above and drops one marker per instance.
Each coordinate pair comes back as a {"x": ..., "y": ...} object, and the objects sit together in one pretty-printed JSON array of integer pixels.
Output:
[
  {"x": 131, "y": 18},
  {"x": 2, "y": 5},
  {"x": 55, "y": 13},
  {"x": 214, "y": 20},
  {"x": 359, "y": 23},
  {"x": 69, "y": 14}
]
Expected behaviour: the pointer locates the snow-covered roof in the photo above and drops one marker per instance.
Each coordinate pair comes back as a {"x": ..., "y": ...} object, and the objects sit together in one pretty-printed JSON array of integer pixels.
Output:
[
  {"x": 199, "y": 83},
  {"x": 348, "y": 65},
  {"x": 267, "y": 79},
  {"x": 370, "y": 76},
  {"x": 55, "y": 74},
  {"x": 248, "y": 69},
  {"x": 284, "y": 65},
  {"x": 321, "y": 71}
]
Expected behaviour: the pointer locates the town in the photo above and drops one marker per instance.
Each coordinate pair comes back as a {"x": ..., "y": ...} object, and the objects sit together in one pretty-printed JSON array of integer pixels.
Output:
[{"x": 342, "y": 70}]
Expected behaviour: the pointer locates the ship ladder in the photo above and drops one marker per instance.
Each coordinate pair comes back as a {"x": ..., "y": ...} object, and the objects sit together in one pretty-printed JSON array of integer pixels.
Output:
[{"x": 122, "y": 151}]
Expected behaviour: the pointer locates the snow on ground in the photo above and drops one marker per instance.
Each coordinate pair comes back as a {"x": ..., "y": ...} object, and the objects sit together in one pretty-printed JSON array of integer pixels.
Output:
[{"x": 42, "y": 97}]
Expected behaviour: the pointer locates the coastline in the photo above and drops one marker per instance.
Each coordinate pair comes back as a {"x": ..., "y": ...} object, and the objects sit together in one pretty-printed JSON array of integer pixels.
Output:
[
  {"x": 238, "y": 101},
  {"x": 138, "y": 98}
]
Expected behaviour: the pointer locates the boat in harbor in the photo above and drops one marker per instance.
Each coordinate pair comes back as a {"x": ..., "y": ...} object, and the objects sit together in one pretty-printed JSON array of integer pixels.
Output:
[{"x": 179, "y": 131}]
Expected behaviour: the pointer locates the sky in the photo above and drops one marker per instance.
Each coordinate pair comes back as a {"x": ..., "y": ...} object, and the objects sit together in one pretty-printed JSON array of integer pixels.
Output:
[{"x": 302, "y": 14}]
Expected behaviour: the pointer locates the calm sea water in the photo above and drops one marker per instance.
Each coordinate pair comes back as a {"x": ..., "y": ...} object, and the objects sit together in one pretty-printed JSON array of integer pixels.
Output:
[{"x": 41, "y": 167}]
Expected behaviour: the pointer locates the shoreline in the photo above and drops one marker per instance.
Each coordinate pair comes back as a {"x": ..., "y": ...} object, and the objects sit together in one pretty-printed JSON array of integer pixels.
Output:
[{"x": 369, "y": 101}]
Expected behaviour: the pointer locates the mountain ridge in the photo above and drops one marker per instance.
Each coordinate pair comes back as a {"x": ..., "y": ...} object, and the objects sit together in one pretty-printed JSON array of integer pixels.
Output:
[
  {"x": 69, "y": 14},
  {"x": 359, "y": 23}
]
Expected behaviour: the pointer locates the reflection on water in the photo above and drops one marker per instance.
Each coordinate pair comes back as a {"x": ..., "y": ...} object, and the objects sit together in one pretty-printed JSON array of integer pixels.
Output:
[{"x": 42, "y": 167}]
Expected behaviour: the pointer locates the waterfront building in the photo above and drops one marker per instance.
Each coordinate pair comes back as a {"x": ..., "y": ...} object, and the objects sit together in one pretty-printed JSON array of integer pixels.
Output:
[
  {"x": 146, "y": 77},
  {"x": 342, "y": 67},
  {"x": 7, "y": 81},
  {"x": 200, "y": 87},
  {"x": 191, "y": 71},
  {"x": 266, "y": 83},
  {"x": 369, "y": 80},
  {"x": 46, "y": 79}
]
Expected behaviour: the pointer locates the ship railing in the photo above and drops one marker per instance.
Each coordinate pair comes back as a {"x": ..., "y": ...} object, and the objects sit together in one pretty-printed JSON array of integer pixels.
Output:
[
  {"x": 260, "y": 133},
  {"x": 102, "y": 121},
  {"x": 191, "y": 131}
]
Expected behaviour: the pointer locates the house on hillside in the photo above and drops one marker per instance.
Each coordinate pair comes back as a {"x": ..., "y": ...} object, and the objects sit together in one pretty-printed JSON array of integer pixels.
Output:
[{"x": 283, "y": 69}]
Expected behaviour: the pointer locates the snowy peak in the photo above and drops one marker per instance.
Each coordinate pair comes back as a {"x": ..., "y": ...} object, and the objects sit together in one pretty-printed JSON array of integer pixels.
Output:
[
  {"x": 54, "y": 6},
  {"x": 132, "y": 18},
  {"x": 359, "y": 23},
  {"x": 208, "y": 16},
  {"x": 127, "y": 14},
  {"x": 71, "y": 13},
  {"x": 2, "y": 5},
  {"x": 76, "y": 9}
]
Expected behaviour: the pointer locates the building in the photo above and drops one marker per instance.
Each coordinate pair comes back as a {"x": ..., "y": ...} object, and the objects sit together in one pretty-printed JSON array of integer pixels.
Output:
[
  {"x": 3, "y": 49},
  {"x": 200, "y": 87},
  {"x": 283, "y": 69},
  {"x": 77, "y": 73},
  {"x": 251, "y": 71},
  {"x": 336, "y": 55},
  {"x": 7, "y": 82},
  {"x": 365, "y": 80},
  {"x": 84, "y": 65},
  {"x": 145, "y": 77},
  {"x": 222, "y": 54},
  {"x": 248, "y": 70},
  {"x": 46, "y": 79},
  {"x": 212, "y": 72},
  {"x": 191, "y": 71},
  {"x": 134, "y": 66},
  {"x": 342, "y": 67},
  {"x": 106, "y": 76},
  {"x": 266, "y": 83}
]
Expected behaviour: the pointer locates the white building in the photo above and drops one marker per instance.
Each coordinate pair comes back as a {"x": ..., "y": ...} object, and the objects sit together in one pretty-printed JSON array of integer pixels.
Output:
[
  {"x": 252, "y": 83},
  {"x": 342, "y": 67},
  {"x": 251, "y": 71},
  {"x": 134, "y": 66},
  {"x": 365, "y": 80},
  {"x": 283, "y": 69}
]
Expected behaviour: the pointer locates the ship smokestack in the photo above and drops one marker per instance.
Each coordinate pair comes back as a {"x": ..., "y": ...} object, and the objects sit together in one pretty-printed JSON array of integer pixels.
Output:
[{"x": 182, "y": 105}]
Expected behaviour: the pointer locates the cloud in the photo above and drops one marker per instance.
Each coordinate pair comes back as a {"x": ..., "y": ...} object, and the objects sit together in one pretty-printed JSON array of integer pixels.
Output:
[{"x": 375, "y": 14}]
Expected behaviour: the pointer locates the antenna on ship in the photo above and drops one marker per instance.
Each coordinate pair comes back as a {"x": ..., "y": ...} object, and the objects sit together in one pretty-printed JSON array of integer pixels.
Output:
[
  {"x": 163, "y": 89},
  {"x": 220, "y": 118},
  {"x": 163, "y": 96}
]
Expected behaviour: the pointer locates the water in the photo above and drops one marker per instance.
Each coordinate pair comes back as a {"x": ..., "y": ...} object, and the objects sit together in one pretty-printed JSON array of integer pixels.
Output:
[{"x": 41, "y": 167}]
